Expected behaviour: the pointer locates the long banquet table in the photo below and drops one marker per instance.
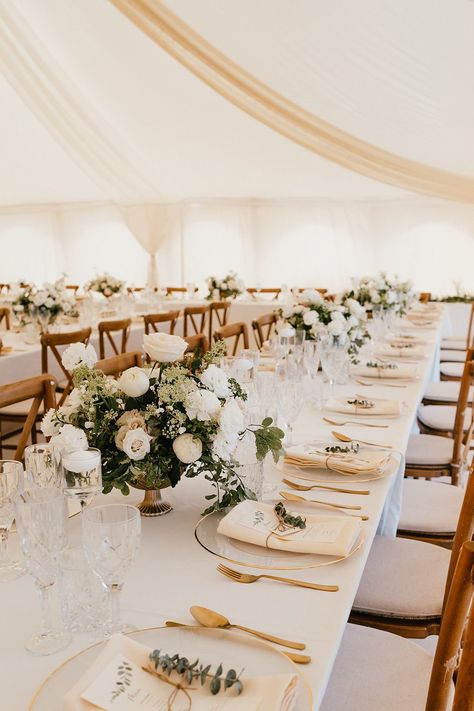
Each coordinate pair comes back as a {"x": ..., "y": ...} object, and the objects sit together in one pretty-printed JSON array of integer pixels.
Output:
[{"x": 172, "y": 572}]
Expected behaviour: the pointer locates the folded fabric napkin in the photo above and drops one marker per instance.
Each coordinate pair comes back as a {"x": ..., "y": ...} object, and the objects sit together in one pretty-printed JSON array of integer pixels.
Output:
[
  {"x": 386, "y": 350},
  {"x": 324, "y": 534},
  {"x": 421, "y": 324},
  {"x": 405, "y": 340},
  {"x": 402, "y": 371},
  {"x": 360, "y": 406},
  {"x": 317, "y": 457},
  {"x": 95, "y": 689}
]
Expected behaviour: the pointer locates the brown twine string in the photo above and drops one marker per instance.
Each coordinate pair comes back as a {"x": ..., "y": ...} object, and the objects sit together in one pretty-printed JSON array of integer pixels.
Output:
[
  {"x": 281, "y": 526},
  {"x": 177, "y": 688}
]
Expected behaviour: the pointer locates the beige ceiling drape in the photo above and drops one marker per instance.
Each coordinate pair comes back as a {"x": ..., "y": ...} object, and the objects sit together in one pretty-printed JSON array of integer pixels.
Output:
[{"x": 274, "y": 110}]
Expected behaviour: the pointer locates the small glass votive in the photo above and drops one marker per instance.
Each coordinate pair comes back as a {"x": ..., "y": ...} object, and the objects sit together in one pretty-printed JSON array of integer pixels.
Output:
[
  {"x": 82, "y": 474},
  {"x": 83, "y": 598}
]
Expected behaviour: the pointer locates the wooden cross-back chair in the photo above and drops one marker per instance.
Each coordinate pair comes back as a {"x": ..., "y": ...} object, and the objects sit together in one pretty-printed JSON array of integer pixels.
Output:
[
  {"x": 115, "y": 365},
  {"x": 50, "y": 342},
  {"x": 453, "y": 369},
  {"x": 425, "y": 297},
  {"x": 170, "y": 290},
  {"x": 197, "y": 343},
  {"x": 73, "y": 287},
  {"x": 376, "y": 670},
  {"x": 254, "y": 291},
  {"x": 195, "y": 319},
  {"x": 263, "y": 328},
  {"x": 121, "y": 327},
  {"x": 218, "y": 315},
  {"x": 5, "y": 317},
  {"x": 236, "y": 331},
  {"x": 167, "y": 317},
  {"x": 313, "y": 288},
  {"x": 34, "y": 392}
]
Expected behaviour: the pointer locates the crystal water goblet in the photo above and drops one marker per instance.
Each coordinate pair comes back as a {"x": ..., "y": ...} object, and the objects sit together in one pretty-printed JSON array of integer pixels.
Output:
[
  {"x": 111, "y": 538},
  {"x": 333, "y": 356},
  {"x": 82, "y": 474},
  {"x": 289, "y": 405},
  {"x": 42, "y": 467},
  {"x": 11, "y": 482},
  {"x": 41, "y": 522}
]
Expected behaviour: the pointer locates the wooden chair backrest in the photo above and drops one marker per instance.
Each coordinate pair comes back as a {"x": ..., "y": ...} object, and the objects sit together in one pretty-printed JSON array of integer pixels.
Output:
[
  {"x": 133, "y": 289},
  {"x": 464, "y": 529},
  {"x": 151, "y": 320},
  {"x": 73, "y": 287},
  {"x": 467, "y": 381},
  {"x": 4, "y": 287},
  {"x": 51, "y": 341},
  {"x": 218, "y": 315},
  {"x": 178, "y": 290},
  {"x": 191, "y": 319},
  {"x": 313, "y": 288},
  {"x": 425, "y": 297},
  {"x": 42, "y": 390},
  {"x": 263, "y": 327},
  {"x": 453, "y": 624},
  {"x": 197, "y": 343},
  {"x": 470, "y": 329},
  {"x": 252, "y": 290},
  {"x": 5, "y": 316},
  {"x": 107, "y": 328},
  {"x": 115, "y": 365},
  {"x": 233, "y": 330}
]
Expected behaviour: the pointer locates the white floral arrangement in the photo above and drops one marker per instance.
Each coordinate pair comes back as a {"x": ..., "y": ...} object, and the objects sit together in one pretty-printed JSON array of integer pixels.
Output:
[
  {"x": 345, "y": 322},
  {"x": 105, "y": 284},
  {"x": 43, "y": 305},
  {"x": 228, "y": 287},
  {"x": 181, "y": 416},
  {"x": 389, "y": 294}
]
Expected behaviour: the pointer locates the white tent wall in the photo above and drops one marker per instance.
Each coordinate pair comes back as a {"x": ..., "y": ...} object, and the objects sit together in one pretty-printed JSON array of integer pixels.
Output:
[{"x": 317, "y": 243}]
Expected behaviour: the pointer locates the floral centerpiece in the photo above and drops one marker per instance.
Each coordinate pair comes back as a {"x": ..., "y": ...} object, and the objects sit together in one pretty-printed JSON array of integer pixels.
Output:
[
  {"x": 105, "y": 284},
  {"x": 43, "y": 305},
  {"x": 388, "y": 294},
  {"x": 345, "y": 322},
  {"x": 228, "y": 288},
  {"x": 181, "y": 416}
]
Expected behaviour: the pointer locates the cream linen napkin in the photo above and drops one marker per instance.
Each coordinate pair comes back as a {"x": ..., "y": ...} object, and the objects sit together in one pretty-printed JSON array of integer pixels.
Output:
[
  {"x": 364, "y": 461},
  {"x": 385, "y": 350},
  {"x": 261, "y": 693},
  {"x": 325, "y": 534},
  {"x": 402, "y": 371},
  {"x": 380, "y": 406},
  {"x": 405, "y": 340}
]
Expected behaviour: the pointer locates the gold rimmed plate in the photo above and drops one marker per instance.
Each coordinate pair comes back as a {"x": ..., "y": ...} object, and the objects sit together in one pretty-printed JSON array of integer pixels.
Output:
[
  {"x": 232, "y": 649},
  {"x": 252, "y": 556}
]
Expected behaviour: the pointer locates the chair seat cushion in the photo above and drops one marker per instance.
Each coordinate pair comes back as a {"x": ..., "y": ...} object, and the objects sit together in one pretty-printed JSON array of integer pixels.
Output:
[
  {"x": 453, "y": 370},
  {"x": 452, "y": 355},
  {"x": 429, "y": 450},
  {"x": 392, "y": 585},
  {"x": 378, "y": 671},
  {"x": 430, "y": 508},
  {"x": 441, "y": 417},
  {"x": 457, "y": 344},
  {"x": 445, "y": 391}
]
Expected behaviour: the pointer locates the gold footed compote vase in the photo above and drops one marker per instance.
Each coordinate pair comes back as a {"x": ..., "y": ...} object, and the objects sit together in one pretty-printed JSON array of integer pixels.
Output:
[{"x": 152, "y": 504}]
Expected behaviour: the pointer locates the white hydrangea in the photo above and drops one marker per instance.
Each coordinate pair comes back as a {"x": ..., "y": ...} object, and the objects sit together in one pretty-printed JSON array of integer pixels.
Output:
[
  {"x": 202, "y": 405},
  {"x": 216, "y": 380},
  {"x": 78, "y": 354}
]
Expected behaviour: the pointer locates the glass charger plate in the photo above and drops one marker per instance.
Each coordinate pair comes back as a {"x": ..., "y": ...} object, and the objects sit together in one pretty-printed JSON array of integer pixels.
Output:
[
  {"x": 242, "y": 553},
  {"x": 234, "y": 650},
  {"x": 318, "y": 475}
]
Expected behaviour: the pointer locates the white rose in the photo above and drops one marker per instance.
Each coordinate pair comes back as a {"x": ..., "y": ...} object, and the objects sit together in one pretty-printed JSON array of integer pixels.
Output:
[
  {"x": 202, "y": 405},
  {"x": 232, "y": 284},
  {"x": 70, "y": 439},
  {"x": 187, "y": 448},
  {"x": 374, "y": 296},
  {"x": 336, "y": 328},
  {"x": 132, "y": 419},
  {"x": 310, "y": 318},
  {"x": 48, "y": 427},
  {"x": 216, "y": 380},
  {"x": 136, "y": 443},
  {"x": 134, "y": 382},
  {"x": 79, "y": 354},
  {"x": 287, "y": 311},
  {"x": 231, "y": 421},
  {"x": 164, "y": 348},
  {"x": 312, "y": 296},
  {"x": 39, "y": 298}
]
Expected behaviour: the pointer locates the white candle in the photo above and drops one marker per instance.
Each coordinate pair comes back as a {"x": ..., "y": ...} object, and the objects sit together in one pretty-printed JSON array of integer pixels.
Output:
[{"x": 82, "y": 460}]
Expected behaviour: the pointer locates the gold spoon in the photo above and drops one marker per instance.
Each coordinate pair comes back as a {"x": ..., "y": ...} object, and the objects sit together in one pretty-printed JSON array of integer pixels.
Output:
[
  {"x": 352, "y": 422},
  {"x": 344, "y": 438},
  {"x": 296, "y": 658},
  {"x": 301, "y": 487},
  {"x": 209, "y": 618},
  {"x": 293, "y": 497}
]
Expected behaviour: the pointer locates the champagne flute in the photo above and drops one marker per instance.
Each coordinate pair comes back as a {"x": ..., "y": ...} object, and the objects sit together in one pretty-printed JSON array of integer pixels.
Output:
[
  {"x": 111, "y": 537},
  {"x": 82, "y": 474},
  {"x": 41, "y": 521},
  {"x": 11, "y": 480}
]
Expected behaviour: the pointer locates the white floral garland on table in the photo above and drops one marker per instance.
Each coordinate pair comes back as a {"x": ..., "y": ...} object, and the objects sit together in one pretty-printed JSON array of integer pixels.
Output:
[
  {"x": 43, "y": 305},
  {"x": 105, "y": 284},
  {"x": 180, "y": 416},
  {"x": 228, "y": 287}
]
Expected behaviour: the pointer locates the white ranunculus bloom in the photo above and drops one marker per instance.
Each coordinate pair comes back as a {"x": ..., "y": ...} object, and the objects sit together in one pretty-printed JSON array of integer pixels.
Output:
[
  {"x": 216, "y": 380},
  {"x": 136, "y": 443},
  {"x": 134, "y": 382},
  {"x": 310, "y": 317},
  {"x": 79, "y": 354},
  {"x": 48, "y": 427},
  {"x": 70, "y": 439},
  {"x": 231, "y": 421},
  {"x": 187, "y": 448},
  {"x": 202, "y": 405},
  {"x": 163, "y": 347}
]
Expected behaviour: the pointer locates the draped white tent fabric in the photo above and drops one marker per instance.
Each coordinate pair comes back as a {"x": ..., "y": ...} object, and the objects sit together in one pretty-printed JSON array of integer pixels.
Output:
[{"x": 105, "y": 134}]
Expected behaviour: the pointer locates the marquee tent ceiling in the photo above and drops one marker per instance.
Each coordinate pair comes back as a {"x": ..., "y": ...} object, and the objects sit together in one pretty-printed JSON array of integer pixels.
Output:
[{"x": 395, "y": 74}]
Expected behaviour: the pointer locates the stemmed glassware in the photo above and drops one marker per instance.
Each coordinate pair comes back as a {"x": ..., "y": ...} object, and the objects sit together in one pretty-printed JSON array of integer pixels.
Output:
[
  {"x": 289, "y": 405},
  {"x": 82, "y": 474},
  {"x": 111, "y": 537},
  {"x": 42, "y": 466},
  {"x": 41, "y": 522},
  {"x": 11, "y": 481},
  {"x": 333, "y": 359}
]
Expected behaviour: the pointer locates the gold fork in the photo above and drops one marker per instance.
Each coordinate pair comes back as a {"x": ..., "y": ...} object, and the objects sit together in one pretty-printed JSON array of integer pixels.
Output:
[
  {"x": 239, "y": 577},
  {"x": 353, "y": 422},
  {"x": 293, "y": 497},
  {"x": 301, "y": 487},
  {"x": 382, "y": 384}
]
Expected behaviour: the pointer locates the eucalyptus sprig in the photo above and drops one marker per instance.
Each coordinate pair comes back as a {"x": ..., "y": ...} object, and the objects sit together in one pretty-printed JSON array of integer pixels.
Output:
[
  {"x": 361, "y": 402},
  {"x": 190, "y": 671},
  {"x": 288, "y": 519},
  {"x": 353, "y": 448},
  {"x": 381, "y": 366}
]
